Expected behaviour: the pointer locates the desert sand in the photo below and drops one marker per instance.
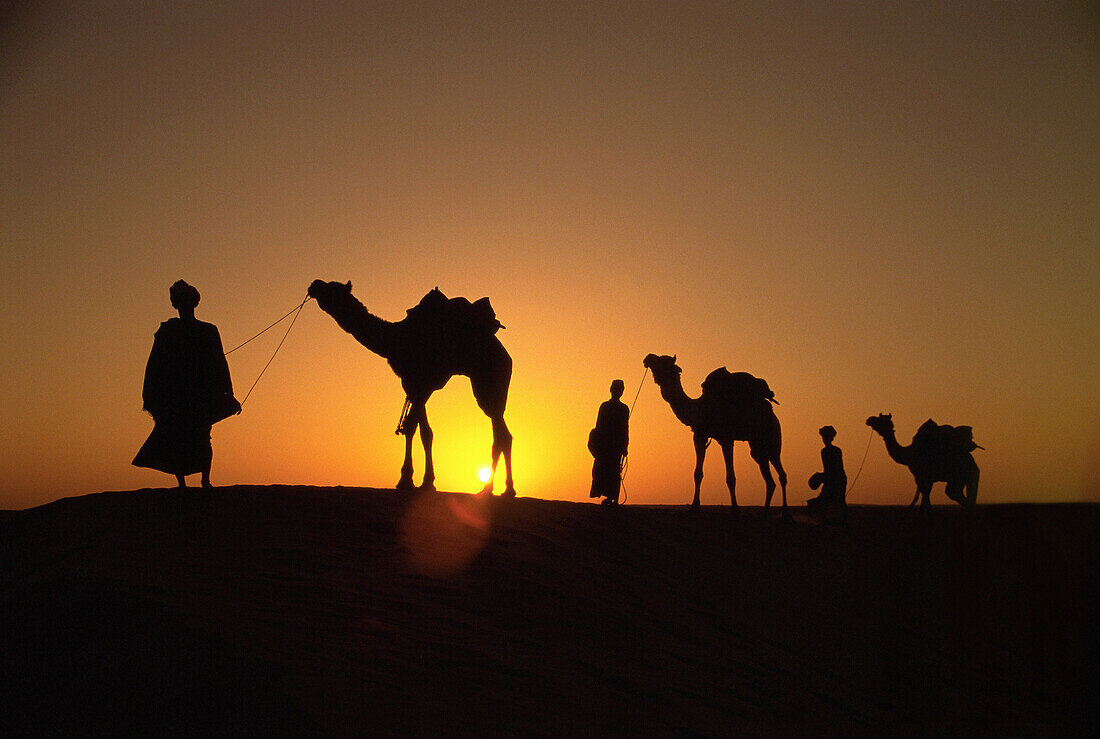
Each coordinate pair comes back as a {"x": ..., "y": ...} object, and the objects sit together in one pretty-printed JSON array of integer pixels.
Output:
[{"x": 298, "y": 610}]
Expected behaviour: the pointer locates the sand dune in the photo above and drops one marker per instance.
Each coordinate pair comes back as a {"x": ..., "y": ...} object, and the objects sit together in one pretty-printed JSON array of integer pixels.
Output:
[{"x": 249, "y": 610}]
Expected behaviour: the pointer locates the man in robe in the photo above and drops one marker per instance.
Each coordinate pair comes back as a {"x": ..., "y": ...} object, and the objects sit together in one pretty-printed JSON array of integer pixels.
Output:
[
  {"x": 607, "y": 443},
  {"x": 187, "y": 389},
  {"x": 832, "y": 479}
]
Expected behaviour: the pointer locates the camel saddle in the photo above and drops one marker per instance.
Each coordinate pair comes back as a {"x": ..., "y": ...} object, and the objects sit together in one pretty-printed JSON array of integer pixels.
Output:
[
  {"x": 952, "y": 440},
  {"x": 455, "y": 315},
  {"x": 737, "y": 387}
]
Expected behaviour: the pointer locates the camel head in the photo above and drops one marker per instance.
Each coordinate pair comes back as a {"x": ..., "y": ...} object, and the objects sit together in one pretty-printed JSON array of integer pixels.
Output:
[
  {"x": 664, "y": 368},
  {"x": 883, "y": 424},
  {"x": 326, "y": 293}
]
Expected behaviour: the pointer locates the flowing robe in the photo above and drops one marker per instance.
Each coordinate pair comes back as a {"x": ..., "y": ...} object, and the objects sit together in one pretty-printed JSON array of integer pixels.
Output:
[
  {"x": 608, "y": 442},
  {"x": 187, "y": 389},
  {"x": 835, "y": 480}
]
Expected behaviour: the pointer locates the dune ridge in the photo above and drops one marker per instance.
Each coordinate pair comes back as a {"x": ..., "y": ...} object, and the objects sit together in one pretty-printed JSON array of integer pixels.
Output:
[{"x": 252, "y": 609}]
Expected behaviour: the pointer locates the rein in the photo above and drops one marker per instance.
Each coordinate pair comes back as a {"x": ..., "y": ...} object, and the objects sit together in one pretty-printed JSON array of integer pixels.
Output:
[
  {"x": 296, "y": 311},
  {"x": 626, "y": 463},
  {"x": 852, "y": 484}
]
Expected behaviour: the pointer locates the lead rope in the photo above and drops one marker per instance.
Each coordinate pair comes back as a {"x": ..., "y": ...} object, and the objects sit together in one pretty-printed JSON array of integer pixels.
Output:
[
  {"x": 296, "y": 312},
  {"x": 298, "y": 307},
  {"x": 625, "y": 463},
  {"x": 847, "y": 490}
]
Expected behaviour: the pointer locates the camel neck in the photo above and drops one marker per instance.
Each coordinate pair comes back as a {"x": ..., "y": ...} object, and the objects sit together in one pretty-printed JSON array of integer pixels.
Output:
[
  {"x": 682, "y": 406},
  {"x": 368, "y": 329},
  {"x": 897, "y": 452}
]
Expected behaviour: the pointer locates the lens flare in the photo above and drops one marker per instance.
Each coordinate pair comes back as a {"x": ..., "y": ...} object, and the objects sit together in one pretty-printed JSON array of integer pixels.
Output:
[
  {"x": 441, "y": 533},
  {"x": 484, "y": 473}
]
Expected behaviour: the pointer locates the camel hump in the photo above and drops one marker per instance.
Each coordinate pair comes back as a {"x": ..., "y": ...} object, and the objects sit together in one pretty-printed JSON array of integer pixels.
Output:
[
  {"x": 944, "y": 438},
  {"x": 740, "y": 387},
  {"x": 456, "y": 316}
]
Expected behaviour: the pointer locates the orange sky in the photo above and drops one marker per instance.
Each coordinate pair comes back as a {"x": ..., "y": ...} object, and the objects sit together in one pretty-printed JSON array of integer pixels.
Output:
[{"x": 885, "y": 208}]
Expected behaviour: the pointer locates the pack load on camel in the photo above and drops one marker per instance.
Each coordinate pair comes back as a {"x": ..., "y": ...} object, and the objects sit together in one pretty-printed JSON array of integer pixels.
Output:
[
  {"x": 737, "y": 387},
  {"x": 951, "y": 441},
  {"x": 454, "y": 316}
]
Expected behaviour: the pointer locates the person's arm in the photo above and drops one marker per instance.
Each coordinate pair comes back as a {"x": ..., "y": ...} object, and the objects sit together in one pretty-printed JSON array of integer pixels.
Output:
[
  {"x": 224, "y": 382},
  {"x": 152, "y": 391}
]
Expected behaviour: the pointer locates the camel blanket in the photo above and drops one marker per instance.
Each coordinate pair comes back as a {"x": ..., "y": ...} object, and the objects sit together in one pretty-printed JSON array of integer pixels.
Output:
[
  {"x": 455, "y": 316},
  {"x": 736, "y": 387},
  {"x": 951, "y": 440}
]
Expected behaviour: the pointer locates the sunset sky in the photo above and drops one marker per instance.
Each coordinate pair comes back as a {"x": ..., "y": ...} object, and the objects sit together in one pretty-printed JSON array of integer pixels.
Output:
[{"x": 877, "y": 207}]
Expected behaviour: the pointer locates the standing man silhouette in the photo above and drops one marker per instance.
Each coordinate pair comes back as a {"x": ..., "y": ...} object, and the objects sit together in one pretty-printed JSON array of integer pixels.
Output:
[
  {"x": 832, "y": 479},
  {"x": 607, "y": 443},
  {"x": 187, "y": 390}
]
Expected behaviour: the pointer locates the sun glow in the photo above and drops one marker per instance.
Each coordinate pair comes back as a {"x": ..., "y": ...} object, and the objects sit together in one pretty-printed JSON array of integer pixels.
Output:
[{"x": 484, "y": 474}]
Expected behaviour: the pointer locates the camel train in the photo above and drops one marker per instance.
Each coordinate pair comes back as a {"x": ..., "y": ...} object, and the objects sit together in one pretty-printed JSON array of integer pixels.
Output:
[{"x": 442, "y": 337}]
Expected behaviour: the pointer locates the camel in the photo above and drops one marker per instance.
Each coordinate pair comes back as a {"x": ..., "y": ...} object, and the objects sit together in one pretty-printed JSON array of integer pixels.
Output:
[
  {"x": 733, "y": 407},
  {"x": 937, "y": 454},
  {"x": 425, "y": 349}
]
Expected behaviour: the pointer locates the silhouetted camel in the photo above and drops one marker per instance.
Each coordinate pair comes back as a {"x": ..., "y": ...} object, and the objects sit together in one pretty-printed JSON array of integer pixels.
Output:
[
  {"x": 733, "y": 407},
  {"x": 937, "y": 454},
  {"x": 425, "y": 351}
]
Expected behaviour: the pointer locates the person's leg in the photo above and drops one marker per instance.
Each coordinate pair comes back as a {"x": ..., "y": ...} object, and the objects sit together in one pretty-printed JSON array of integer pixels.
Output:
[{"x": 207, "y": 458}]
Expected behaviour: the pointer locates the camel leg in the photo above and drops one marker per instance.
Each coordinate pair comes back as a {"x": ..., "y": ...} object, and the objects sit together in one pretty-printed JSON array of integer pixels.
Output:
[
  {"x": 955, "y": 492},
  {"x": 925, "y": 493},
  {"x": 426, "y": 437},
  {"x": 972, "y": 488},
  {"x": 782, "y": 483},
  {"x": 769, "y": 485},
  {"x": 502, "y": 447},
  {"x": 762, "y": 461},
  {"x": 490, "y": 389},
  {"x": 488, "y": 489},
  {"x": 731, "y": 478},
  {"x": 406, "y": 481},
  {"x": 700, "y": 455},
  {"x": 408, "y": 429}
]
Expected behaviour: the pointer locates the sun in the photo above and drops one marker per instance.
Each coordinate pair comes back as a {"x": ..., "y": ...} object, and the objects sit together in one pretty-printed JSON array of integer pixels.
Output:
[{"x": 484, "y": 473}]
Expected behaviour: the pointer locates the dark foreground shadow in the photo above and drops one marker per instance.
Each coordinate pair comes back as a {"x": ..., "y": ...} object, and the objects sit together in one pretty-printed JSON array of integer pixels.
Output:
[
  {"x": 295, "y": 610},
  {"x": 82, "y": 658}
]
